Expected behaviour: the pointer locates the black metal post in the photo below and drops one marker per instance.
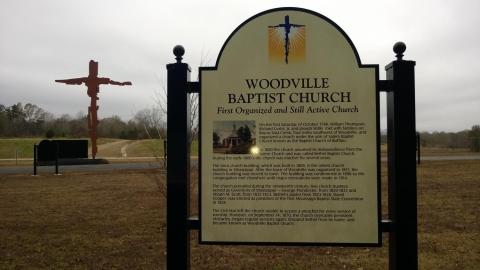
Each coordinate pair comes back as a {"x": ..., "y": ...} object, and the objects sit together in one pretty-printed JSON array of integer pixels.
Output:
[
  {"x": 178, "y": 170},
  {"x": 35, "y": 159},
  {"x": 402, "y": 170},
  {"x": 56, "y": 158}
]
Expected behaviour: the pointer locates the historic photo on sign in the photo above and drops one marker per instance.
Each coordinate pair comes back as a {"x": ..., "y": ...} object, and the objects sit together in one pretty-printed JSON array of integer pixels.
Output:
[{"x": 233, "y": 137}]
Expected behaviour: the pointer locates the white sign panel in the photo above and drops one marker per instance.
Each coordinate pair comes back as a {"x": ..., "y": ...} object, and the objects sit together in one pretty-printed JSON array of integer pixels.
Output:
[{"x": 289, "y": 136}]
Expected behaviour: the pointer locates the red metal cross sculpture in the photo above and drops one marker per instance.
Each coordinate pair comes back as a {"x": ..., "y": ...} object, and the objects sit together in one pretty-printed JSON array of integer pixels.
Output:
[{"x": 93, "y": 82}]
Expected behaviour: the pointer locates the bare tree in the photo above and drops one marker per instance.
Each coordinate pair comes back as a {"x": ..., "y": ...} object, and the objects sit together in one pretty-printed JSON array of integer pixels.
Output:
[
  {"x": 160, "y": 98},
  {"x": 161, "y": 101},
  {"x": 152, "y": 122}
]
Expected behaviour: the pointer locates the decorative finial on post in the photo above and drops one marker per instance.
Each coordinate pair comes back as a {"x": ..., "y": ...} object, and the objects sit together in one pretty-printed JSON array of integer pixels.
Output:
[
  {"x": 399, "y": 48},
  {"x": 178, "y": 51}
]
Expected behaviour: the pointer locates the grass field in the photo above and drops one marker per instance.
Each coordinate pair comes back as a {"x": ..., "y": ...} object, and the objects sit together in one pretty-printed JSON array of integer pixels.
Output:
[
  {"x": 110, "y": 147},
  {"x": 107, "y": 147},
  {"x": 117, "y": 220},
  {"x": 24, "y": 146},
  {"x": 437, "y": 151}
]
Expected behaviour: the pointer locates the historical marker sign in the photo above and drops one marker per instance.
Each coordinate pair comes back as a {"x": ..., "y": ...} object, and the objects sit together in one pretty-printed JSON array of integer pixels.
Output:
[{"x": 289, "y": 136}]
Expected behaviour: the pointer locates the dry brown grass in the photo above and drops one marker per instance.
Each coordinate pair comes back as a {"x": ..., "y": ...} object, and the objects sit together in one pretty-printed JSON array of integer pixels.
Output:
[
  {"x": 116, "y": 220},
  {"x": 81, "y": 221},
  {"x": 448, "y": 215},
  {"x": 437, "y": 151}
]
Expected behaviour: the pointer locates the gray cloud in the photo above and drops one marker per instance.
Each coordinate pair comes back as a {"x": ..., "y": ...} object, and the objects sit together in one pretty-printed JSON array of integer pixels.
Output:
[{"x": 132, "y": 40}]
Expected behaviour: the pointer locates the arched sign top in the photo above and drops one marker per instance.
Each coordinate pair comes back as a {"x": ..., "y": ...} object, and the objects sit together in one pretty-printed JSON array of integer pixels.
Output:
[
  {"x": 288, "y": 36},
  {"x": 289, "y": 135}
]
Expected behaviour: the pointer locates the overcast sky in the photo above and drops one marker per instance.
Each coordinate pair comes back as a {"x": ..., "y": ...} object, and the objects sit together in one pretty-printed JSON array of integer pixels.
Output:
[{"x": 41, "y": 41}]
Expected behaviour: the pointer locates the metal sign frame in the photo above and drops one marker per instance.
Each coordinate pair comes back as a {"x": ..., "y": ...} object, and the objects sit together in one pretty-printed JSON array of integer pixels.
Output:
[{"x": 401, "y": 138}]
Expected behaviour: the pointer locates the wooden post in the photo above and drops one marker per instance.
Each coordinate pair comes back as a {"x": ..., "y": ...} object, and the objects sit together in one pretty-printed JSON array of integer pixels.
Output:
[
  {"x": 178, "y": 170},
  {"x": 402, "y": 169}
]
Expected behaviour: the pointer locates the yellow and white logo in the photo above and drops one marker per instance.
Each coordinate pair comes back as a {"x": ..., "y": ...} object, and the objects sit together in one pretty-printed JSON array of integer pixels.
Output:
[{"x": 286, "y": 42}]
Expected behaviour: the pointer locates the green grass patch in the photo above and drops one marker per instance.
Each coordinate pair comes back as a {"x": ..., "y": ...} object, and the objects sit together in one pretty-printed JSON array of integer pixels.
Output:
[
  {"x": 139, "y": 148},
  {"x": 101, "y": 141},
  {"x": 194, "y": 148},
  {"x": 146, "y": 148},
  {"x": 153, "y": 148},
  {"x": 24, "y": 146}
]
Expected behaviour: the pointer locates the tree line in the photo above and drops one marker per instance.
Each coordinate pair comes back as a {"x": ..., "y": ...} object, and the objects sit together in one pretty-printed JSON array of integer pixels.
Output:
[
  {"x": 30, "y": 120},
  {"x": 469, "y": 138},
  {"x": 463, "y": 139}
]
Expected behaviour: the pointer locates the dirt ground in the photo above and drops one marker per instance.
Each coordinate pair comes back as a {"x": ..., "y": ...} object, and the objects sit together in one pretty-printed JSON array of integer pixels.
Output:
[{"x": 115, "y": 220}]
